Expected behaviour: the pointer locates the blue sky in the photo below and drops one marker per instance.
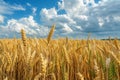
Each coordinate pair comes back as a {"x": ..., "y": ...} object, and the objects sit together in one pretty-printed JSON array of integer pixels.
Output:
[
  {"x": 29, "y": 4},
  {"x": 73, "y": 18}
]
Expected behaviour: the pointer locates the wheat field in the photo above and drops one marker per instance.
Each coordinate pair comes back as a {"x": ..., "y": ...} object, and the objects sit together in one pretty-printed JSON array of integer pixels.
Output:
[{"x": 59, "y": 59}]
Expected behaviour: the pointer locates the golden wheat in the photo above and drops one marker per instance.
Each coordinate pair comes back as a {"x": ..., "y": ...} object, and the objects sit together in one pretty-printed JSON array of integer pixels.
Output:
[
  {"x": 60, "y": 59},
  {"x": 50, "y": 33},
  {"x": 23, "y": 35}
]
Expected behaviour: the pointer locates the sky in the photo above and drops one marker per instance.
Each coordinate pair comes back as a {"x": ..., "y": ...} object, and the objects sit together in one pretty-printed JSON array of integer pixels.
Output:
[{"x": 73, "y": 18}]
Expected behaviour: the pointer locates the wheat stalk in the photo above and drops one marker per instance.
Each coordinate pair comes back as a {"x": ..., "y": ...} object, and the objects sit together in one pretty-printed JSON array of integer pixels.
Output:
[{"x": 115, "y": 57}]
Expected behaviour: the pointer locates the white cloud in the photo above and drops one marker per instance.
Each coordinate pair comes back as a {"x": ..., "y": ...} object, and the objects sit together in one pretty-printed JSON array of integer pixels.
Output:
[
  {"x": 77, "y": 8},
  {"x": 100, "y": 22},
  {"x": 67, "y": 28},
  {"x": 1, "y": 19},
  {"x": 28, "y": 4},
  {"x": 116, "y": 18},
  {"x": 6, "y": 8},
  {"x": 48, "y": 13},
  {"x": 18, "y": 7},
  {"x": 63, "y": 22},
  {"x": 101, "y": 19},
  {"x": 61, "y": 4},
  {"x": 27, "y": 23},
  {"x": 34, "y": 10},
  {"x": 24, "y": 23}
]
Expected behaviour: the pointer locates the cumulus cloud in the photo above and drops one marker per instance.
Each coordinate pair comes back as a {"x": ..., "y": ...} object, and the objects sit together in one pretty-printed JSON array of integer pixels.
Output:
[
  {"x": 6, "y": 8},
  {"x": 84, "y": 16},
  {"x": 48, "y": 13},
  {"x": 27, "y": 23},
  {"x": 67, "y": 28},
  {"x": 101, "y": 19}
]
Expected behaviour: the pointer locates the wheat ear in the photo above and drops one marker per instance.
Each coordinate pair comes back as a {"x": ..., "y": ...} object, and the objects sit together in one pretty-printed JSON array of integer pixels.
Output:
[
  {"x": 97, "y": 71},
  {"x": 66, "y": 55},
  {"x": 50, "y": 33},
  {"x": 79, "y": 76},
  {"x": 23, "y": 35},
  {"x": 37, "y": 77}
]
